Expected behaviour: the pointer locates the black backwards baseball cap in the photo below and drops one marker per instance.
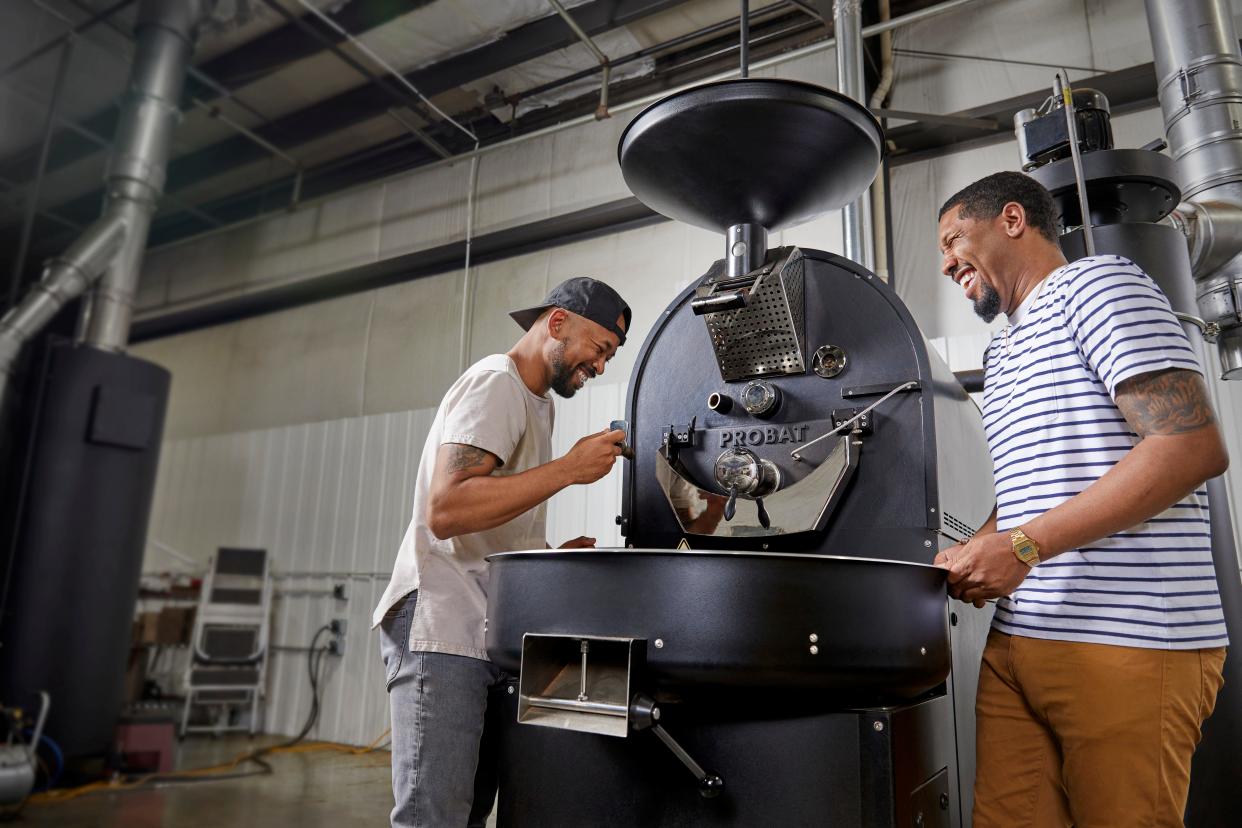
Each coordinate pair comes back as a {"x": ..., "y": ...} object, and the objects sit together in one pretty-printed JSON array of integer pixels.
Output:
[{"x": 587, "y": 297}]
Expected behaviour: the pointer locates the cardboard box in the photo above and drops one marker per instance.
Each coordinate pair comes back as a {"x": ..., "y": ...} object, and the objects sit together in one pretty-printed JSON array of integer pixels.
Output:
[
  {"x": 145, "y": 628},
  {"x": 174, "y": 625}
]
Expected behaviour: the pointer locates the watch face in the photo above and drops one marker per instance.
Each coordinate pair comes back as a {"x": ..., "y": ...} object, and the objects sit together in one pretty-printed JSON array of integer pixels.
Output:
[{"x": 1025, "y": 549}]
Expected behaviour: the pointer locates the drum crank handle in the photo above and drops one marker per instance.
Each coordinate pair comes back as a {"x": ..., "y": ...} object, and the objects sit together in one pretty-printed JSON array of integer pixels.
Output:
[{"x": 644, "y": 714}]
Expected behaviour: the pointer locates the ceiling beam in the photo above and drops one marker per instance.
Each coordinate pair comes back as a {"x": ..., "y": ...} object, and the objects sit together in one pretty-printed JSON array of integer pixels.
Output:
[
  {"x": 243, "y": 65},
  {"x": 341, "y": 111},
  {"x": 701, "y": 58},
  {"x": 692, "y": 62}
]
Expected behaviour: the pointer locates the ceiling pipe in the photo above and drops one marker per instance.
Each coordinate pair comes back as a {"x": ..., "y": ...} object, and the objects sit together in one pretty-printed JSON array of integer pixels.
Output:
[
  {"x": 856, "y": 216},
  {"x": 640, "y": 101},
  {"x": 65, "y": 278},
  {"x": 601, "y": 112},
  {"x": 135, "y": 176},
  {"x": 1199, "y": 82},
  {"x": 114, "y": 244},
  {"x": 879, "y": 195}
]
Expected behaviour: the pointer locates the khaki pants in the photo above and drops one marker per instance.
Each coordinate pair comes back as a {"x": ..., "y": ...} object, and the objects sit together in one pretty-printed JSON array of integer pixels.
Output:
[{"x": 1088, "y": 734}]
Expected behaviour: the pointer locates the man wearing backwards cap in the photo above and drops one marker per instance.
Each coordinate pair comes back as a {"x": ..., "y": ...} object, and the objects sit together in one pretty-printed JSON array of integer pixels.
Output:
[{"x": 485, "y": 476}]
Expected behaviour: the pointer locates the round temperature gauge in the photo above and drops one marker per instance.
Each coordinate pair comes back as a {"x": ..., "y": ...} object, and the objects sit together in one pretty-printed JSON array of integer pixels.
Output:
[{"x": 761, "y": 398}]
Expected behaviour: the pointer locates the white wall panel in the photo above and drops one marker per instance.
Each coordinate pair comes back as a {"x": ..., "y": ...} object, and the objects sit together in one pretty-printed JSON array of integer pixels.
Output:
[
  {"x": 584, "y": 173},
  {"x": 514, "y": 184},
  {"x": 424, "y": 210},
  {"x": 330, "y": 501}
]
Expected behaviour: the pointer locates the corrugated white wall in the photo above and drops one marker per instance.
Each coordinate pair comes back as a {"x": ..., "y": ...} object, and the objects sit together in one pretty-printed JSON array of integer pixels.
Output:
[
  {"x": 300, "y": 431},
  {"x": 330, "y": 501}
]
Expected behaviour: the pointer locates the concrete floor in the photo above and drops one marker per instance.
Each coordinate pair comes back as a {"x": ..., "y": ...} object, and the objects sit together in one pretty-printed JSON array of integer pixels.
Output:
[{"x": 307, "y": 790}]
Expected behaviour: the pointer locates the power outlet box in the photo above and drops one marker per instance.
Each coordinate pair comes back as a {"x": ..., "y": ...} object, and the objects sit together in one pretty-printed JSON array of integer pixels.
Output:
[{"x": 336, "y": 644}]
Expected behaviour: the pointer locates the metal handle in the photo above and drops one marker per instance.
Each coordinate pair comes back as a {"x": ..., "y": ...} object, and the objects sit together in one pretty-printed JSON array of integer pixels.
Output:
[
  {"x": 645, "y": 715},
  {"x": 730, "y": 508},
  {"x": 730, "y": 300}
]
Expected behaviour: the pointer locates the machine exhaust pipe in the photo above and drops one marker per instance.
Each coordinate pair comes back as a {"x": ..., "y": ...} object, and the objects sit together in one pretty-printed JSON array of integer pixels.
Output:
[
  {"x": 1199, "y": 80},
  {"x": 136, "y": 170},
  {"x": 94, "y": 450},
  {"x": 1199, "y": 72},
  {"x": 135, "y": 179}
]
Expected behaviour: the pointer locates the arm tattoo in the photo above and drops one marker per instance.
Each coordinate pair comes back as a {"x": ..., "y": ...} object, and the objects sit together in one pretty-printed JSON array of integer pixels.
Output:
[
  {"x": 1165, "y": 402},
  {"x": 463, "y": 457}
]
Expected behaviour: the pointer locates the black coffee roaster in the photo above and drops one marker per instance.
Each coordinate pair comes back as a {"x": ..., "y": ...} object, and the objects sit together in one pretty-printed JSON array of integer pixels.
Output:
[{"x": 772, "y": 645}]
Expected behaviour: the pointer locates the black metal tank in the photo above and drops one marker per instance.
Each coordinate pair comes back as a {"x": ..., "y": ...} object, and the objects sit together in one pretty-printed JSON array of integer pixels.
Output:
[{"x": 79, "y": 547}]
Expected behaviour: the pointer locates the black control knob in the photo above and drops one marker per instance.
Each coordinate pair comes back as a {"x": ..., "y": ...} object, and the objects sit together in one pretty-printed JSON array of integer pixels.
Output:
[{"x": 761, "y": 398}]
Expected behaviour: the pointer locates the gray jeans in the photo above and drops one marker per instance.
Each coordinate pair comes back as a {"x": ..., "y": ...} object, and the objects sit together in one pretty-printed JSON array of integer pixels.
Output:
[{"x": 444, "y": 748}]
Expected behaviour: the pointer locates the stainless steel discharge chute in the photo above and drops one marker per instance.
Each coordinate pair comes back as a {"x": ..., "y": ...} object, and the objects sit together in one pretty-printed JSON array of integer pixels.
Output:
[{"x": 773, "y": 626}]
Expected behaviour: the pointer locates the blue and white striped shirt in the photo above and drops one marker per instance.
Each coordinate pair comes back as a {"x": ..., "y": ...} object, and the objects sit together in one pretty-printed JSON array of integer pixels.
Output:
[{"x": 1053, "y": 429}]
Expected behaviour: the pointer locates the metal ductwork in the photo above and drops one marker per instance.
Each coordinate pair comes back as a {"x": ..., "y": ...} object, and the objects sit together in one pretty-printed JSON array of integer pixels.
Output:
[
  {"x": 65, "y": 278},
  {"x": 1199, "y": 71},
  {"x": 847, "y": 27},
  {"x": 135, "y": 177},
  {"x": 114, "y": 245},
  {"x": 83, "y": 492}
]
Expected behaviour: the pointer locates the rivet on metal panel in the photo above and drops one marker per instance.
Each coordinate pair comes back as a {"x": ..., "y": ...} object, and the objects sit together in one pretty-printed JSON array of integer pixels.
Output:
[
  {"x": 510, "y": 688},
  {"x": 922, "y": 651},
  {"x": 813, "y": 638},
  {"x": 878, "y": 727},
  {"x": 927, "y": 543},
  {"x": 659, "y": 643},
  {"x": 932, "y": 510},
  {"x": 814, "y": 649}
]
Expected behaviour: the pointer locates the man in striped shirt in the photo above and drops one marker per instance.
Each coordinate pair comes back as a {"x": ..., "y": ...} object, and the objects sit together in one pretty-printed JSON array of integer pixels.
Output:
[{"x": 1107, "y": 645}]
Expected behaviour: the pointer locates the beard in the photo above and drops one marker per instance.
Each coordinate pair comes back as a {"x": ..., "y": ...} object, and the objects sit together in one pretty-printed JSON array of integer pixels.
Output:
[
  {"x": 563, "y": 373},
  {"x": 988, "y": 304}
]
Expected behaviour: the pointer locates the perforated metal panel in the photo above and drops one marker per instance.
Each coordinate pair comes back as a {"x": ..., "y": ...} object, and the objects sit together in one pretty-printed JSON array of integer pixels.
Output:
[
  {"x": 765, "y": 338},
  {"x": 956, "y": 528}
]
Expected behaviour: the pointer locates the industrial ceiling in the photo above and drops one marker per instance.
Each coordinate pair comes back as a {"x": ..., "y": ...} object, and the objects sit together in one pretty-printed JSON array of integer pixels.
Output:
[{"x": 293, "y": 99}]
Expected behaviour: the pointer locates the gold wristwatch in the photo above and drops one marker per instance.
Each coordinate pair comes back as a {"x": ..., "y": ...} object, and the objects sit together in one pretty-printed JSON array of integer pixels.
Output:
[{"x": 1024, "y": 549}]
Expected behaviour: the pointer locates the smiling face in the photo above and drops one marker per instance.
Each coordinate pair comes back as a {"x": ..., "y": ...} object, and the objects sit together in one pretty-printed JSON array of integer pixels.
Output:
[
  {"x": 580, "y": 352},
  {"x": 975, "y": 253}
]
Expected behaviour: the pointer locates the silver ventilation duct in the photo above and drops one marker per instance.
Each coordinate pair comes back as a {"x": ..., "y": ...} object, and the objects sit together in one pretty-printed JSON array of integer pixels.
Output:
[
  {"x": 847, "y": 26},
  {"x": 134, "y": 182},
  {"x": 1199, "y": 71},
  {"x": 135, "y": 177}
]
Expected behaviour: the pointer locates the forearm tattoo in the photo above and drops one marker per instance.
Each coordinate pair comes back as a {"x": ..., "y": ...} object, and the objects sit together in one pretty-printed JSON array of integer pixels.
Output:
[
  {"x": 463, "y": 457},
  {"x": 1165, "y": 402}
]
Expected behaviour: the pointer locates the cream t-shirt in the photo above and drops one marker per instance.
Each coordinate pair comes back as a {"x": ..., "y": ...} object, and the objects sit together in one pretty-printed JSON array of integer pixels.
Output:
[{"x": 491, "y": 408}]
